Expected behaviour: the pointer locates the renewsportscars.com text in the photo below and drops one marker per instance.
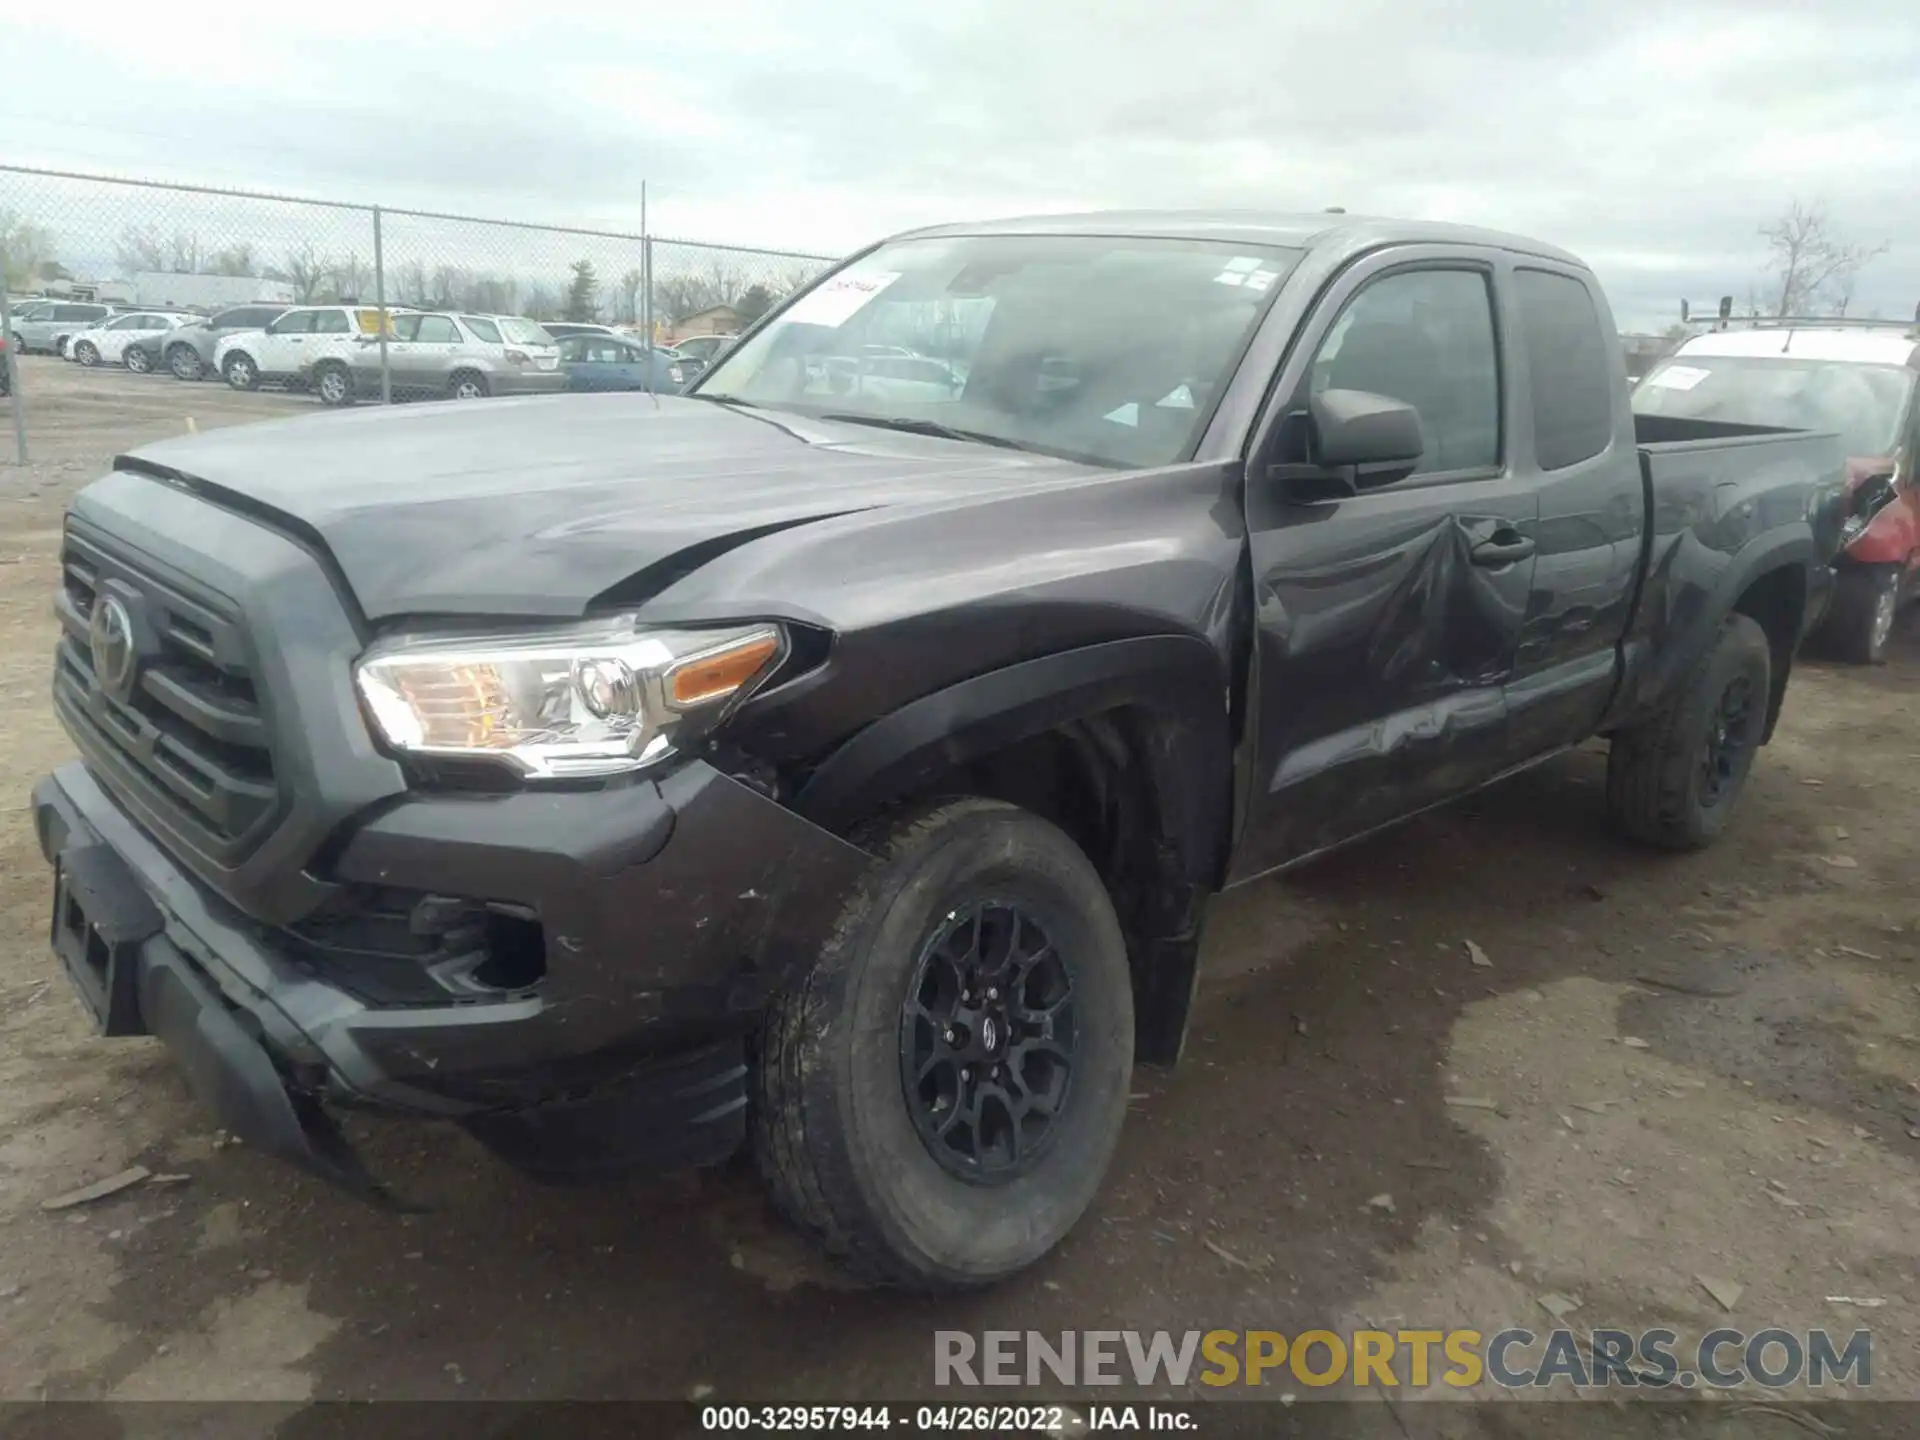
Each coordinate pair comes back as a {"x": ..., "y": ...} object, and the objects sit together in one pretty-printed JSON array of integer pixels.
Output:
[{"x": 1514, "y": 1358}]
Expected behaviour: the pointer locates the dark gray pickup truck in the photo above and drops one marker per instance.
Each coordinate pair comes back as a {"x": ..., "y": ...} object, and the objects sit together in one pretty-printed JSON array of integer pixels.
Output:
[{"x": 840, "y": 759}]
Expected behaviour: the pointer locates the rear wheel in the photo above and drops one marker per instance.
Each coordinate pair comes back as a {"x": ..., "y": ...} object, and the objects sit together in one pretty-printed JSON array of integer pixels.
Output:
[
  {"x": 333, "y": 384},
  {"x": 86, "y": 353},
  {"x": 939, "y": 1096},
  {"x": 468, "y": 385},
  {"x": 1859, "y": 623},
  {"x": 240, "y": 371},
  {"x": 1672, "y": 781},
  {"x": 137, "y": 360},
  {"x": 185, "y": 362}
]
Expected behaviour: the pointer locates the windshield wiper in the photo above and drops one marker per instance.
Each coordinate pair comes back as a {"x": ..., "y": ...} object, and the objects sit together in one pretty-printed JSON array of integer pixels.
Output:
[{"x": 908, "y": 425}]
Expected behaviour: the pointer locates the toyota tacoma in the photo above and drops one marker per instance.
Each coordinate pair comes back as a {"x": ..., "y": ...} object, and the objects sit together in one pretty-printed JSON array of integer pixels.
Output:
[{"x": 838, "y": 763}]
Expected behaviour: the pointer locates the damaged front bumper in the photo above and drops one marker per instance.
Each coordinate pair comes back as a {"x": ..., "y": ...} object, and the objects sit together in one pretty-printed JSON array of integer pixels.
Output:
[{"x": 668, "y": 910}]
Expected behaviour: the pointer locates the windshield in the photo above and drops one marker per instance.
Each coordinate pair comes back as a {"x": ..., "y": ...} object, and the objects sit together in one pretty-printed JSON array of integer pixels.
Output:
[
  {"x": 1110, "y": 349},
  {"x": 1865, "y": 403},
  {"x": 523, "y": 332}
]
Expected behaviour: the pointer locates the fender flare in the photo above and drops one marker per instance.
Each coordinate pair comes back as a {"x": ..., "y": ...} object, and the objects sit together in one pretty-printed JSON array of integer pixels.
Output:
[
  {"x": 1178, "y": 685},
  {"x": 1180, "y": 680},
  {"x": 1689, "y": 642}
]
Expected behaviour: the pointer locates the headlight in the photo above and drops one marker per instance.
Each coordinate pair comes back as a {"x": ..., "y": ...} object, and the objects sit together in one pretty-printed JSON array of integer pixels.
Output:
[{"x": 593, "y": 699}]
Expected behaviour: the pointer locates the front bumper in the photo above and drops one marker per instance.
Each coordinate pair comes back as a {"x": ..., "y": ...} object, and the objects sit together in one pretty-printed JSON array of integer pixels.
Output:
[{"x": 669, "y": 910}]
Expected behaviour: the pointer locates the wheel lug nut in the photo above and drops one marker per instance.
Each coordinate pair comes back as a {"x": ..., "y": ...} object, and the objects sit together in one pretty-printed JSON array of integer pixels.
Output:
[
  {"x": 947, "y": 1035},
  {"x": 992, "y": 994}
]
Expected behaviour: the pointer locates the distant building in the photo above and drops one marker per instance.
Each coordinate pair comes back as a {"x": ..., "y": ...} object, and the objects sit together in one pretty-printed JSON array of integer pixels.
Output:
[{"x": 714, "y": 320}]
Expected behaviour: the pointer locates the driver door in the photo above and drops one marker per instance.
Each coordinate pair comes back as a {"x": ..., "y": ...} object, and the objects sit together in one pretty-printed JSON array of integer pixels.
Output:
[{"x": 1387, "y": 620}]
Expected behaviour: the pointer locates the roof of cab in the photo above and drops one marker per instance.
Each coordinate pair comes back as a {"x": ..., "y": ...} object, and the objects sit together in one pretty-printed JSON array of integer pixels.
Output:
[
  {"x": 1258, "y": 227},
  {"x": 1866, "y": 347}
]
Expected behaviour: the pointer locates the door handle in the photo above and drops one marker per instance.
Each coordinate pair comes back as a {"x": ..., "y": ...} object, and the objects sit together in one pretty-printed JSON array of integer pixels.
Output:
[{"x": 1503, "y": 548}]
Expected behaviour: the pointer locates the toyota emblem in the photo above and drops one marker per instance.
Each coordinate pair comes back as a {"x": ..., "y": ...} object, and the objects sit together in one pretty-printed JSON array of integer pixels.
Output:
[{"x": 110, "y": 639}]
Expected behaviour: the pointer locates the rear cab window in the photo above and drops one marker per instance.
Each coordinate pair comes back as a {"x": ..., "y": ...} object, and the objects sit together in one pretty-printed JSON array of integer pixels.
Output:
[{"x": 1570, "y": 367}]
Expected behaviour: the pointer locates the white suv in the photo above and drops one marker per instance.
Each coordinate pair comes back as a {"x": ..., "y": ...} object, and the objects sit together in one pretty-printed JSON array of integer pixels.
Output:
[{"x": 288, "y": 348}]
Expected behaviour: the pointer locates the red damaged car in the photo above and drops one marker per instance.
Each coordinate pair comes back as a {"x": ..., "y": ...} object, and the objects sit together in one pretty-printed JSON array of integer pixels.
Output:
[{"x": 1854, "y": 377}]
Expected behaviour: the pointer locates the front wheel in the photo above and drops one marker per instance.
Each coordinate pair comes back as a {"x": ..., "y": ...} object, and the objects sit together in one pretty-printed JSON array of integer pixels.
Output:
[
  {"x": 185, "y": 363},
  {"x": 939, "y": 1096},
  {"x": 1859, "y": 623},
  {"x": 86, "y": 353},
  {"x": 333, "y": 385},
  {"x": 1672, "y": 780},
  {"x": 137, "y": 360},
  {"x": 240, "y": 371}
]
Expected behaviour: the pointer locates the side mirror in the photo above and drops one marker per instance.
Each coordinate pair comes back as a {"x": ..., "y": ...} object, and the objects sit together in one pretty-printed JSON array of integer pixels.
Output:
[{"x": 1373, "y": 439}]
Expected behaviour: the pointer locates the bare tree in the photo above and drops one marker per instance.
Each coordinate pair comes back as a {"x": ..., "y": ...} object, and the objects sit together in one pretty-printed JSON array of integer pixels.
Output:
[
  {"x": 25, "y": 248},
  {"x": 352, "y": 277},
  {"x": 184, "y": 253},
  {"x": 630, "y": 284},
  {"x": 140, "y": 247},
  {"x": 236, "y": 259},
  {"x": 1811, "y": 263},
  {"x": 306, "y": 270}
]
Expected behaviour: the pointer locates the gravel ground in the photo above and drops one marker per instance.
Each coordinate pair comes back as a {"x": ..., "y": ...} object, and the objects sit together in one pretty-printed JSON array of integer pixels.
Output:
[{"x": 1689, "y": 1067}]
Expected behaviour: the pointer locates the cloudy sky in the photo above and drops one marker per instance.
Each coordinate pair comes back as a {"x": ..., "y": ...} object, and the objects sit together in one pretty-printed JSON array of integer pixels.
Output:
[{"x": 1652, "y": 136}]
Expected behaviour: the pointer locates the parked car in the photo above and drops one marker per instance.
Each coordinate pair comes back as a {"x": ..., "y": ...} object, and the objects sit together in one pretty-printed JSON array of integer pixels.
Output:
[
  {"x": 292, "y": 343},
  {"x": 6, "y": 366},
  {"x": 1858, "y": 379},
  {"x": 107, "y": 343},
  {"x": 612, "y": 362},
  {"x": 705, "y": 348},
  {"x": 50, "y": 327},
  {"x": 620, "y": 781},
  {"x": 187, "y": 352},
  {"x": 561, "y": 329},
  {"x": 458, "y": 356}
]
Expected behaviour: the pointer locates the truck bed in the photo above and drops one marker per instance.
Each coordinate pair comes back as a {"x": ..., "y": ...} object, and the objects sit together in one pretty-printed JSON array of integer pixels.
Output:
[{"x": 1715, "y": 491}]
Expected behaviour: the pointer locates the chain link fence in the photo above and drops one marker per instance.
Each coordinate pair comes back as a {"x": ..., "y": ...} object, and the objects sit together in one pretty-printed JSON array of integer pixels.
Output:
[{"x": 71, "y": 240}]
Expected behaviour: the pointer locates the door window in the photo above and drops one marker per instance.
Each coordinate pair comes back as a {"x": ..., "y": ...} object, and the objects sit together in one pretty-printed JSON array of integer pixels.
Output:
[
  {"x": 437, "y": 330},
  {"x": 482, "y": 329},
  {"x": 331, "y": 322},
  {"x": 296, "y": 322},
  {"x": 1570, "y": 362},
  {"x": 1424, "y": 337}
]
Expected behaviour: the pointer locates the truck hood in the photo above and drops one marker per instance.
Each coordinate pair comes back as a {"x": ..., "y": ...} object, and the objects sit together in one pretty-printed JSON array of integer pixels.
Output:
[{"x": 536, "y": 507}]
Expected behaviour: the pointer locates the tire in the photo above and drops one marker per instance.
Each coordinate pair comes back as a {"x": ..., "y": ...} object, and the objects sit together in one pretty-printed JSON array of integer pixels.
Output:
[
  {"x": 1859, "y": 621},
  {"x": 842, "y": 1142},
  {"x": 467, "y": 385},
  {"x": 137, "y": 360},
  {"x": 1673, "y": 780},
  {"x": 86, "y": 354},
  {"x": 185, "y": 363},
  {"x": 240, "y": 371},
  {"x": 333, "y": 383}
]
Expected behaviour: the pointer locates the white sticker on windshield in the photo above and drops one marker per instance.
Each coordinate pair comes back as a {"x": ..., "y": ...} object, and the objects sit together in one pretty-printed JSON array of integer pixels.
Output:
[
  {"x": 1178, "y": 398},
  {"x": 840, "y": 299},
  {"x": 1230, "y": 277},
  {"x": 1677, "y": 377},
  {"x": 1261, "y": 279},
  {"x": 1127, "y": 414},
  {"x": 1242, "y": 263}
]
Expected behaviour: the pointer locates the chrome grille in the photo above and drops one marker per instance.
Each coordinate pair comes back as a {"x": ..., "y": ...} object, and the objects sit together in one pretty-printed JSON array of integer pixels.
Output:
[{"x": 189, "y": 739}]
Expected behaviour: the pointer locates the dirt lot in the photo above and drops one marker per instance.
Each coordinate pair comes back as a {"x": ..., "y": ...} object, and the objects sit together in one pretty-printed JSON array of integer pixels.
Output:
[{"x": 1695, "y": 1067}]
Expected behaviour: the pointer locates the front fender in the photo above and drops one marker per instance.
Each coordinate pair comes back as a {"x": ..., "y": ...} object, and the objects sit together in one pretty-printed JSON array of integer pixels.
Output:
[{"x": 1177, "y": 679}]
